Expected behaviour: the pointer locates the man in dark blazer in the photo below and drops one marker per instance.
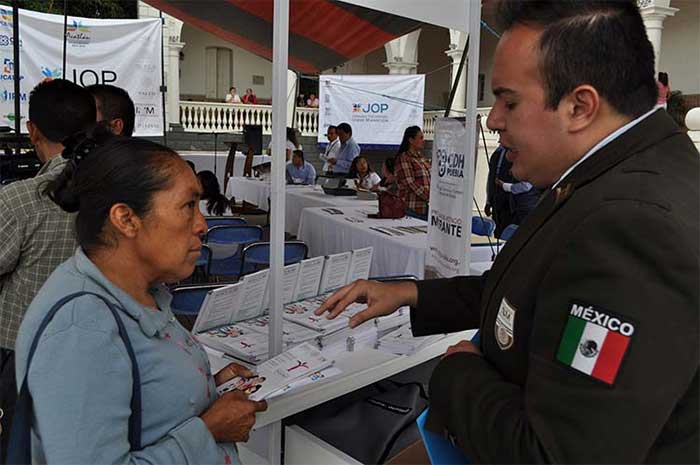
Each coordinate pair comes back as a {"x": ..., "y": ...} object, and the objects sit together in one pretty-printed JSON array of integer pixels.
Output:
[{"x": 589, "y": 317}]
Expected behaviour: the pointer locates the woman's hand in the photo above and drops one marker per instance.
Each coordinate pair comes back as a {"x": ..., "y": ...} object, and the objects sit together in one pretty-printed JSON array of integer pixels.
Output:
[
  {"x": 231, "y": 371},
  {"x": 381, "y": 298},
  {"x": 231, "y": 417}
]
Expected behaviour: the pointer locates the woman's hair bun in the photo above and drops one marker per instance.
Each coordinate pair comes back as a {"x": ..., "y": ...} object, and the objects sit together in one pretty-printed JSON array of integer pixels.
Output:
[{"x": 61, "y": 190}]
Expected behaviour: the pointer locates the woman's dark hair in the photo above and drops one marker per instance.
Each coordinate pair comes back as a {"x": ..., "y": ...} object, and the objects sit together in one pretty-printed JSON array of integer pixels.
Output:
[
  {"x": 300, "y": 154},
  {"x": 409, "y": 133},
  {"x": 390, "y": 163},
  {"x": 362, "y": 157},
  {"x": 104, "y": 170},
  {"x": 663, "y": 78},
  {"x": 217, "y": 203},
  {"x": 292, "y": 137}
]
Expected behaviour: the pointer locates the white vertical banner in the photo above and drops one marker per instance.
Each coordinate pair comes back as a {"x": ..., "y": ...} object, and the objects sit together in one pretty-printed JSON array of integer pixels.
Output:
[
  {"x": 122, "y": 52},
  {"x": 450, "y": 207},
  {"x": 378, "y": 107}
]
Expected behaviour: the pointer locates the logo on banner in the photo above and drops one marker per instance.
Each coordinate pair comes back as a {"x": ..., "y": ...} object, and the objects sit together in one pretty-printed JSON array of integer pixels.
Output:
[
  {"x": 370, "y": 107},
  {"x": 8, "y": 96},
  {"x": 88, "y": 77},
  {"x": 8, "y": 41},
  {"x": 450, "y": 164},
  {"x": 51, "y": 74},
  {"x": 6, "y": 17},
  {"x": 11, "y": 117},
  {"x": 452, "y": 226},
  {"x": 146, "y": 110},
  {"x": 78, "y": 34},
  {"x": 8, "y": 71}
]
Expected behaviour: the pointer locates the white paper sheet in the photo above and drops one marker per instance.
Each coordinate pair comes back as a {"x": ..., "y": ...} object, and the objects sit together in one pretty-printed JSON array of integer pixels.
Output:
[
  {"x": 335, "y": 272},
  {"x": 309, "y": 278},
  {"x": 218, "y": 308},
  {"x": 360, "y": 264},
  {"x": 252, "y": 295}
]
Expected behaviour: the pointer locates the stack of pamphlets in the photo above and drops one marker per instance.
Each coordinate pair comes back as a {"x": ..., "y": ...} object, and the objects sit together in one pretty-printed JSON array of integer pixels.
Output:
[
  {"x": 292, "y": 333},
  {"x": 236, "y": 341},
  {"x": 279, "y": 372},
  {"x": 402, "y": 341}
]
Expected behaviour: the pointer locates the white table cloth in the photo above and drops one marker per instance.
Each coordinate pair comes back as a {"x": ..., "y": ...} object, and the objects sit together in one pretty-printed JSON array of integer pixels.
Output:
[
  {"x": 251, "y": 190},
  {"x": 397, "y": 251}
]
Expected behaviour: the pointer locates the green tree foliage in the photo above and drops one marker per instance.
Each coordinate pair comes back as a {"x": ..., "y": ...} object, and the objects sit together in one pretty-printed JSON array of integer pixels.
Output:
[{"x": 85, "y": 8}]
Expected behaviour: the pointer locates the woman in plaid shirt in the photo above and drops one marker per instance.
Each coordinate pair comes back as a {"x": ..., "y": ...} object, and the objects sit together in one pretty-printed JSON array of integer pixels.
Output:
[{"x": 413, "y": 173}]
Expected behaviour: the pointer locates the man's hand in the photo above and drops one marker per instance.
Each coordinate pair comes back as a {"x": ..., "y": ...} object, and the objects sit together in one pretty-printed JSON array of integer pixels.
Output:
[
  {"x": 231, "y": 371},
  {"x": 487, "y": 210},
  {"x": 499, "y": 183},
  {"x": 462, "y": 346},
  {"x": 231, "y": 417},
  {"x": 381, "y": 298},
  {"x": 332, "y": 161}
]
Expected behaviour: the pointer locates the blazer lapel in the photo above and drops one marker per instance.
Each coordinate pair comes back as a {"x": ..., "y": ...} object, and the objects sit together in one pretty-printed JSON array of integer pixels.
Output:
[{"x": 650, "y": 131}]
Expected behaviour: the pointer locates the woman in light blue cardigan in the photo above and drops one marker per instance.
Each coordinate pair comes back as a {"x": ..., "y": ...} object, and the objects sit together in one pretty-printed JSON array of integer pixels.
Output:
[{"x": 138, "y": 226}]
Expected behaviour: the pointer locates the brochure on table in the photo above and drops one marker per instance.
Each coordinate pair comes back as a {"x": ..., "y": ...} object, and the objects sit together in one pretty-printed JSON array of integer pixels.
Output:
[
  {"x": 279, "y": 372},
  {"x": 232, "y": 318}
]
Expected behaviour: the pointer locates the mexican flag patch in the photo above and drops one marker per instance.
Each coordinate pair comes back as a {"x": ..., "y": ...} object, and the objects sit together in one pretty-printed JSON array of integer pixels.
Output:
[{"x": 594, "y": 342}]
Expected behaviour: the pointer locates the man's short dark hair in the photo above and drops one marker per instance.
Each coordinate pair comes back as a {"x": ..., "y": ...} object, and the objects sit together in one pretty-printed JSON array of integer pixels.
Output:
[
  {"x": 602, "y": 43},
  {"x": 335, "y": 128},
  {"x": 115, "y": 103},
  {"x": 345, "y": 127},
  {"x": 60, "y": 108}
]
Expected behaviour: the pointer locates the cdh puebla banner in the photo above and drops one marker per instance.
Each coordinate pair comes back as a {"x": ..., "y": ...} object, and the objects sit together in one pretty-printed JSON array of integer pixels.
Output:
[
  {"x": 450, "y": 208},
  {"x": 122, "y": 52},
  {"x": 379, "y": 108}
]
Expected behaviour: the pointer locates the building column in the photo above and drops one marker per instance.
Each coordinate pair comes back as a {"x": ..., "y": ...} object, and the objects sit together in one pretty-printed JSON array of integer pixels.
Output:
[
  {"x": 654, "y": 12},
  {"x": 402, "y": 54},
  {"x": 692, "y": 122},
  {"x": 458, "y": 40},
  {"x": 172, "y": 106}
]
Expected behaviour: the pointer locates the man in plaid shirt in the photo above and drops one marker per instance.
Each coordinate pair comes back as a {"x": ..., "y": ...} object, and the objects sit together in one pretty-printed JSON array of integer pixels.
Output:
[{"x": 35, "y": 234}]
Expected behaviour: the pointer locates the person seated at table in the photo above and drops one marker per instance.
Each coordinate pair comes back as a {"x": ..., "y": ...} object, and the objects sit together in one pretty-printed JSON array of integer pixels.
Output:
[
  {"x": 212, "y": 202},
  {"x": 137, "y": 226},
  {"x": 300, "y": 171},
  {"x": 365, "y": 177},
  {"x": 413, "y": 173},
  {"x": 292, "y": 144},
  {"x": 250, "y": 97},
  {"x": 388, "y": 182}
]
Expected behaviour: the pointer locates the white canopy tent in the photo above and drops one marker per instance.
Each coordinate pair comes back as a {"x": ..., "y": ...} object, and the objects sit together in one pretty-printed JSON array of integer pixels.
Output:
[{"x": 464, "y": 15}]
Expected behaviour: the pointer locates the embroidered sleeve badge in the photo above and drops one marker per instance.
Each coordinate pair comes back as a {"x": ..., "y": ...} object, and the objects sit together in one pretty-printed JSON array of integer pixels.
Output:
[{"x": 594, "y": 342}]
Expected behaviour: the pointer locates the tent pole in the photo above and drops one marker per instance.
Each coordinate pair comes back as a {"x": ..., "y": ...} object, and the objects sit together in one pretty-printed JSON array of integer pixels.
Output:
[
  {"x": 473, "y": 26},
  {"x": 65, "y": 37},
  {"x": 164, "y": 88},
  {"x": 453, "y": 90},
  {"x": 16, "y": 65},
  {"x": 280, "y": 54}
]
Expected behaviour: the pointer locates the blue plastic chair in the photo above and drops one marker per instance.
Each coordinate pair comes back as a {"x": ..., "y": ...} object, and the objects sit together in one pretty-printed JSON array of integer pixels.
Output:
[
  {"x": 482, "y": 226},
  {"x": 188, "y": 299},
  {"x": 257, "y": 256},
  {"x": 224, "y": 221},
  {"x": 508, "y": 232},
  {"x": 226, "y": 244}
]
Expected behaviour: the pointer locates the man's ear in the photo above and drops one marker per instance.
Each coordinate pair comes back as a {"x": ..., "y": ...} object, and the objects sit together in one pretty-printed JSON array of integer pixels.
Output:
[
  {"x": 124, "y": 220},
  {"x": 582, "y": 107},
  {"x": 117, "y": 126},
  {"x": 34, "y": 132}
]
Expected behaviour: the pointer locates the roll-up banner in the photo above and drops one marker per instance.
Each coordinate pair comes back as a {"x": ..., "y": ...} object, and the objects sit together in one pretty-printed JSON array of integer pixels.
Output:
[
  {"x": 450, "y": 207},
  {"x": 122, "y": 52}
]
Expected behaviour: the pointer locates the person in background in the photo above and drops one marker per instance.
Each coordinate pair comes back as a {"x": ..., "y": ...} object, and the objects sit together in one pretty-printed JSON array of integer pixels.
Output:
[
  {"x": 331, "y": 149},
  {"x": 413, "y": 173},
  {"x": 366, "y": 178},
  {"x": 300, "y": 171},
  {"x": 212, "y": 202},
  {"x": 249, "y": 97},
  {"x": 292, "y": 144},
  {"x": 664, "y": 90},
  {"x": 301, "y": 100},
  {"x": 115, "y": 108},
  {"x": 498, "y": 200},
  {"x": 349, "y": 150},
  {"x": 312, "y": 101},
  {"x": 35, "y": 235},
  {"x": 138, "y": 226},
  {"x": 588, "y": 320},
  {"x": 388, "y": 182},
  {"x": 232, "y": 96}
]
